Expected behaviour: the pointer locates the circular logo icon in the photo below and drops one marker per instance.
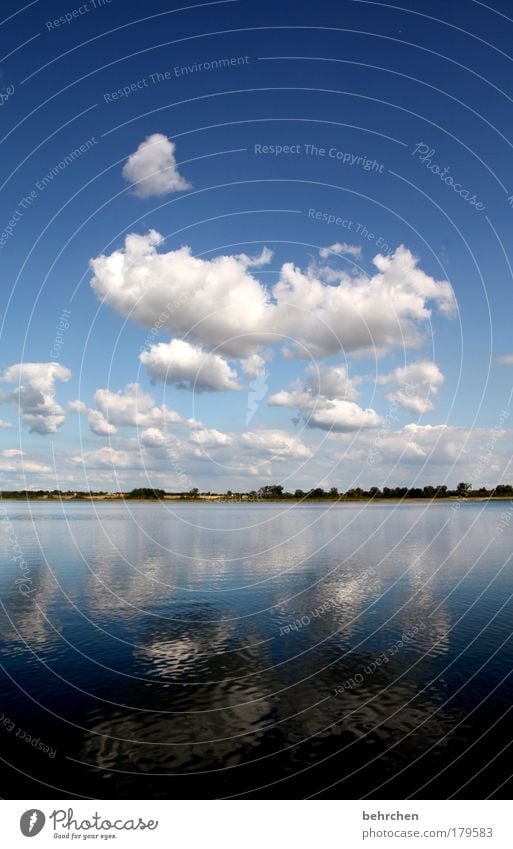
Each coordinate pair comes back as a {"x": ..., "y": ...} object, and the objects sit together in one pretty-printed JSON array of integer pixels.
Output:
[{"x": 31, "y": 822}]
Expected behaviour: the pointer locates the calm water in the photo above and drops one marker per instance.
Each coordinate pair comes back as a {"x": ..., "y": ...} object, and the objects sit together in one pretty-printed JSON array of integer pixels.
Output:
[{"x": 220, "y": 650}]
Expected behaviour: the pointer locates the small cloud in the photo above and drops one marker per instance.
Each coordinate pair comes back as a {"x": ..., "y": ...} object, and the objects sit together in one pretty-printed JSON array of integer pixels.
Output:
[
  {"x": 188, "y": 367},
  {"x": 14, "y": 460},
  {"x": 152, "y": 168},
  {"x": 414, "y": 385},
  {"x": 263, "y": 258},
  {"x": 327, "y": 401},
  {"x": 505, "y": 360},
  {"x": 34, "y": 395},
  {"x": 340, "y": 248},
  {"x": 132, "y": 407},
  {"x": 97, "y": 421}
]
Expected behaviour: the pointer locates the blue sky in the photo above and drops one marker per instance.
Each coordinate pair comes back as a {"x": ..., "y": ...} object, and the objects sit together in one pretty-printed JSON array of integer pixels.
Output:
[{"x": 245, "y": 242}]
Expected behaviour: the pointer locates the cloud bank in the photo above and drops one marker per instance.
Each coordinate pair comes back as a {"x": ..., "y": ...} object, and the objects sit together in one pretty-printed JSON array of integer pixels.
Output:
[{"x": 220, "y": 303}]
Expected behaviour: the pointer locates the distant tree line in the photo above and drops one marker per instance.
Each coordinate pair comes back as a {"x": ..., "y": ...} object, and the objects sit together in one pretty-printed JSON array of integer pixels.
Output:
[
  {"x": 273, "y": 492},
  {"x": 463, "y": 490},
  {"x": 276, "y": 492},
  {"x": 146, "y": 493}
]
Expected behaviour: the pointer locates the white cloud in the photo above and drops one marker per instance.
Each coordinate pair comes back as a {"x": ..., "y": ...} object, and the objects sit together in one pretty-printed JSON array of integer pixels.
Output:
[
  {"x": 340, "y": 248},
  {"x": 331, "y": 381},
  {"x": 254, "y": 366},
  {"x": 204, "y": 453},
  {"x": 258, "y": 260},
  {"x": 14, "y": 460},
  {"x": 342, "y": 416},
  {"x": 245, "y": 450},
  {"x": 419, "y": 455},
  {"x": 274, "y": 444},
  {"x": 365, "y": 314},
  {"x": 217, "y": 300},
  {"x": 327, "y": 401},
  {"x": 34, "y": 395},
  {"x": 110, "y": 458},
  {"x": 41, "y": 376},
  {"x": 505, "y": 360},
  {"x": 188, "y": 366},
  {"x": 132, "y": 407},
  {"x": 154, "y": 437},
  {"x": 210, "y": 437},
  {"x": 33, "y": 466},
  {"x": 202, "y": 456},
  {"x": 413, "y": 385},
  {"x": 5, "y": 425},
  {"x": 97, "y": 421},
  {"x": 152, "y": 168},
  {"x": 439, "y": 444},
  {"x": 220, "y": 303}
]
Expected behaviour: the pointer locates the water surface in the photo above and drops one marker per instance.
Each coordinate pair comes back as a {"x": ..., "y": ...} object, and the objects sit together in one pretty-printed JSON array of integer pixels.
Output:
[{"x": 280, "y": 651}]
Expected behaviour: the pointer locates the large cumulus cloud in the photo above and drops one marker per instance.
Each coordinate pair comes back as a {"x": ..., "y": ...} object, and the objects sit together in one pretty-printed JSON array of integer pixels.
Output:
[{"x": 220, "y": 303}]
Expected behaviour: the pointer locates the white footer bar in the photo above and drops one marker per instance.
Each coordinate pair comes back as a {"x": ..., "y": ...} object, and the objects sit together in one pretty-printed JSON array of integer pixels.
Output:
[{"x": 257, "y": 824}]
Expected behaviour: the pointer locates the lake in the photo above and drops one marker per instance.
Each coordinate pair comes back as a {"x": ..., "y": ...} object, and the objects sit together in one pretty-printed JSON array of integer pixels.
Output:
[{"x": 256, "y": 651}]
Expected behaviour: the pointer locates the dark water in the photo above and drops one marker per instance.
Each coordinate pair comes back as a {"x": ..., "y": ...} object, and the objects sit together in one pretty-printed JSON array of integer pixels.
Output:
[{"x": 256, "y": 651}]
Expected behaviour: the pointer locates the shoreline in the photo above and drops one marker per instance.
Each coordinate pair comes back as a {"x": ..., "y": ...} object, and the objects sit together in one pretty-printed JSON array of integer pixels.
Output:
[{"x": 451, "y": 499}]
